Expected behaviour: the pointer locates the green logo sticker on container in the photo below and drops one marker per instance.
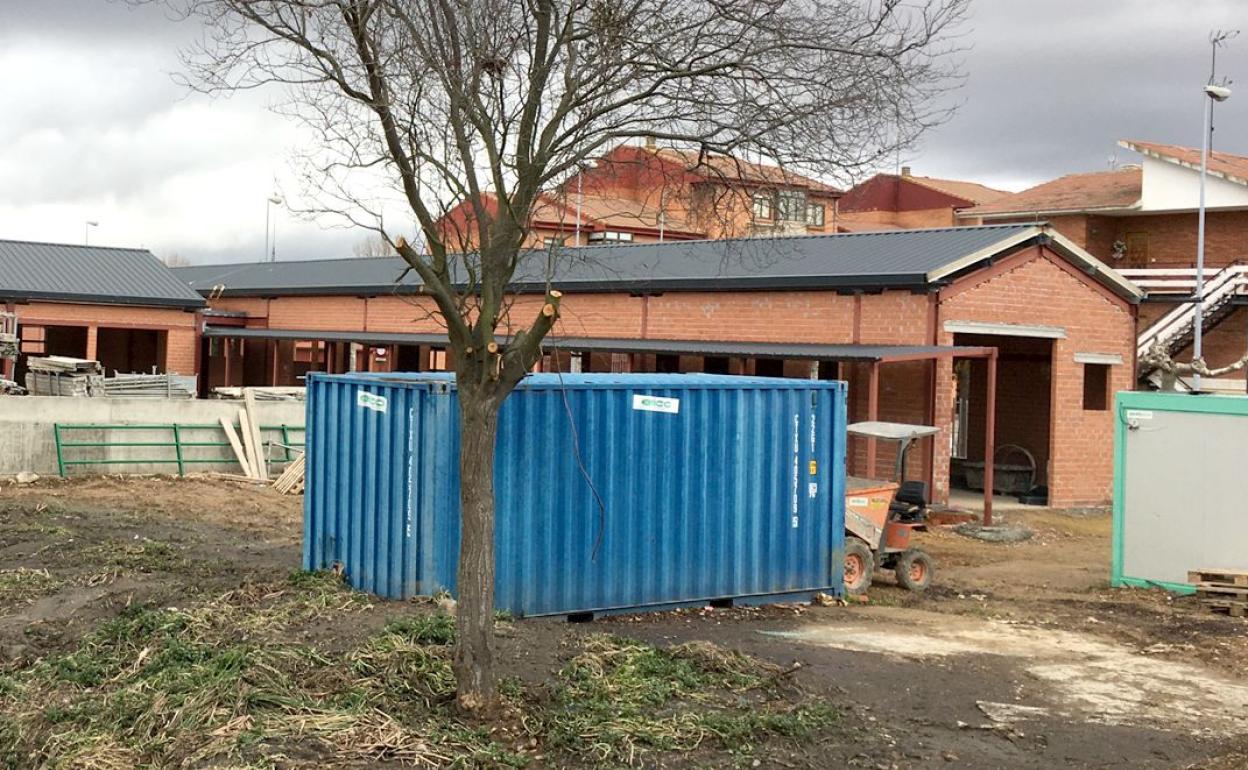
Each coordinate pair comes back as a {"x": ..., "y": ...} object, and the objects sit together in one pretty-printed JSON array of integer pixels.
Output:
[{"x": 371, "y": 401}]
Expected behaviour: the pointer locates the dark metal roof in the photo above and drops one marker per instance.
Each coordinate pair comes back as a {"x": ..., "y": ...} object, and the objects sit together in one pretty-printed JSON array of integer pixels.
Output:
[
  {"x": 97, "y": 274},
  {"x": 891, "y": 259},
  {"x": 837, "y": 352}
]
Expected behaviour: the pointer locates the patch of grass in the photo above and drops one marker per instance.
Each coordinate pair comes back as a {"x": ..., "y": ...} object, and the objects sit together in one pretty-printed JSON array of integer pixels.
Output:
[
  {"x": 201, "y": 687},
  {"x": 621, "y": 699},
  {"x": 141, "y": 555},
  {"x": 424, "y": 629},
  {"x": 22, "y": 586}
]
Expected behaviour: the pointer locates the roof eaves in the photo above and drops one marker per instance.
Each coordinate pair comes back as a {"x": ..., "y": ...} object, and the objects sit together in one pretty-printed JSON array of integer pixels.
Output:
[
  {"x": 187, "y": 303},
  {"x": 986, "y": 252},
  {"x": 1151, "y": 153},
  {"x": 972, "y": 213},
  {"x": 1098, "y": 269}
]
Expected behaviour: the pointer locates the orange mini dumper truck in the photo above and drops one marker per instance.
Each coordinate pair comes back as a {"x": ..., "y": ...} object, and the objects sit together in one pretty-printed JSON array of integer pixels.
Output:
[{"x": 881, "y": 516}]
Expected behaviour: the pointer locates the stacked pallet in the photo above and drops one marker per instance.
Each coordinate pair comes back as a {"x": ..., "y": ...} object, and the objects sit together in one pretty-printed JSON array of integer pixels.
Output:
[
  {"x": 63, "y": 376},
  {"x": 1221, "y": 590},
  {"x": 291, "y": 480},
  {"x": 150, "y": 386}
]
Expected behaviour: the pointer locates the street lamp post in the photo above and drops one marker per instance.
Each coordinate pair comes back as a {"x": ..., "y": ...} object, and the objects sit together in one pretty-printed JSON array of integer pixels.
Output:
[
  {"x": 86, "y": 231},
  {"x": 270, "y": 256},
  {"x": 1214, "y": 93}
]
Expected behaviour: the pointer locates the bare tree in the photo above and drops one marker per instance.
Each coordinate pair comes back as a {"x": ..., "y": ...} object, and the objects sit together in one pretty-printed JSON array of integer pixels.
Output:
[
  {"x": 490, "y": 102},
  {"x": 174, "y": 259},
  {"x": 1159, "y": 359},
  {"x": 373, "y": 246}
]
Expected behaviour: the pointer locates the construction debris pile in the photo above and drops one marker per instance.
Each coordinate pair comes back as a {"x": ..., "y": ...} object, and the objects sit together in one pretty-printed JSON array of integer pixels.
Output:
[
  {"x": 252, "y": 453},
  {"x": 263, "y": 393},
  {"x": 149, "y": 386},
  {"x": 9, "y": 347},
  {"x": 64, "y": 376}
]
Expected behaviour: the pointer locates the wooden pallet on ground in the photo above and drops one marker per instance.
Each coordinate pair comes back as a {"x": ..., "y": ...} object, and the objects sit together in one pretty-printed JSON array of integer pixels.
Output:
[
  {"x": 1221, "y": 590},
  {"x": 1219, "y": 576},
  {"x": 291, "y": 480}
]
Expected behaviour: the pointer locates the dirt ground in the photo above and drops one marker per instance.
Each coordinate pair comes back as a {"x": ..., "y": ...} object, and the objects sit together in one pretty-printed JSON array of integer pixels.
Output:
[{"x": 1018, "y": 657}]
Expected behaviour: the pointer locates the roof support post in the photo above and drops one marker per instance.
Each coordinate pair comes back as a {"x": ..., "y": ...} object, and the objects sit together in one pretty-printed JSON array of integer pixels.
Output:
[
  {"x": 227, "y": 350},
  {"x": 873, "y": 413},
  {"x": 990, "y": 433}
]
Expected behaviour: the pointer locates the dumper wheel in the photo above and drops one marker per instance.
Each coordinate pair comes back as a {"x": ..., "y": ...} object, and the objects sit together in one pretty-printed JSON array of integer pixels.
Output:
[
  {"x": 859, "y": 564},
  {"x": 915, "y": 570}
]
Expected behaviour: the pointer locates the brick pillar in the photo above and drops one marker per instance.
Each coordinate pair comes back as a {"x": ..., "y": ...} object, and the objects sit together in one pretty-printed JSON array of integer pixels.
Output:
[{"x": 91, "y": 342}]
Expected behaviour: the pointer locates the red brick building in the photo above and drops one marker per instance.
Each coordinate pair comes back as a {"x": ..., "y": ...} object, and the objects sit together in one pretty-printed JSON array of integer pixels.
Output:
[
  {"x": 1142, "y": 220},
  {"x": 651, "y": 194},
  {"x": 900, "y": 201},
  {"x": 122, "y": 307},
  {"x": 907, "y": 317}
]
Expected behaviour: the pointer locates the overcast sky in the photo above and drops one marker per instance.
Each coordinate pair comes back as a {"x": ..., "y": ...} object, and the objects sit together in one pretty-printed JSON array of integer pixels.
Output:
[{"x": 92, "y": 126}]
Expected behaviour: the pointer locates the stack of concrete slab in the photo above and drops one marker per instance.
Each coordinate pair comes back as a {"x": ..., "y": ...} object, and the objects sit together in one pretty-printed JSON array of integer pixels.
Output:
[{"x": 64, "y": 376}]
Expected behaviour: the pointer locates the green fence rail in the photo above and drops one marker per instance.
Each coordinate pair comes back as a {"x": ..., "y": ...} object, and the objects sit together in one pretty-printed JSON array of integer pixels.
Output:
[{"x": 177, "y": 443}]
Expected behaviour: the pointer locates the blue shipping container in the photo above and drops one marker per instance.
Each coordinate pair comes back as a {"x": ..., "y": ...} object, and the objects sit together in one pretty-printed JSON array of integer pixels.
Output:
[{"x": 614, "y": 491}]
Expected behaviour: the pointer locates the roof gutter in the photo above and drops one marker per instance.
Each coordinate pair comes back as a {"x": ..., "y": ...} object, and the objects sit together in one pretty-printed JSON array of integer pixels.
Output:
[{"x": 102, "y": 299}]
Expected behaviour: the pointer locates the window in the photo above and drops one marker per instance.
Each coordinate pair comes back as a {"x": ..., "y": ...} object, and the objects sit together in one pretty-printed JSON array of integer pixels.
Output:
[
  {"x": 791, "y": 206},
  {"x": 814, "y": 215},
  {"x": 613, "y": 236},
  {"x": 1096, "y": 387},
  {"x": 552, "y": 241},
  {"x": 762, "y": 205}
]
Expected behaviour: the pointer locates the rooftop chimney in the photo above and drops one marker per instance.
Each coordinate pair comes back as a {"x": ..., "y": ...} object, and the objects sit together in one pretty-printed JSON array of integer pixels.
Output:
[{"x": 905, "y": 171}]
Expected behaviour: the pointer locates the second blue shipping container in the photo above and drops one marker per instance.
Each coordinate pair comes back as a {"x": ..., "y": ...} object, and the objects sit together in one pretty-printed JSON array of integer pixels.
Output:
[{"x": 614, "y": 492}]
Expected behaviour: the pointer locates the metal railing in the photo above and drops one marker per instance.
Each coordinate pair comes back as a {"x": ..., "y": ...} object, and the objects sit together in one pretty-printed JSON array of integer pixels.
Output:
[
  {"x": 177, "y": 442},
  {"x": 1176, "y": 324},
  {"x": 1174, "y": 280}
]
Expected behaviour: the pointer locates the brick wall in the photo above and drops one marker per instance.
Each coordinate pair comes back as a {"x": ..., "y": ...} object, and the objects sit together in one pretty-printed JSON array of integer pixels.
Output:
[
  {"x": 178, "y": 324},
  {"x": 1037, "y": 287},
  {"x": 1033, "y": 287},
  {"x": 1170, "y": 238}
]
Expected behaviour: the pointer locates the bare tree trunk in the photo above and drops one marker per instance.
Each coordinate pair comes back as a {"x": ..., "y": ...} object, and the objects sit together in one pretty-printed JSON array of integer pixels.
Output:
[{"x": 474, "y": 613}]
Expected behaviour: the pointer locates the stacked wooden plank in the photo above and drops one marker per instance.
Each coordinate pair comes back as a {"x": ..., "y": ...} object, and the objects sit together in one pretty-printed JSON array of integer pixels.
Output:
[
  {"x": 1221, "y": 590},
  {"x": 63, "y": 376},
  {"x": 150, "y": 386},
  {"x": 248, "y": 448},
  {"x": 291, "y": 480},
  {"x": 263, "y": 393}
]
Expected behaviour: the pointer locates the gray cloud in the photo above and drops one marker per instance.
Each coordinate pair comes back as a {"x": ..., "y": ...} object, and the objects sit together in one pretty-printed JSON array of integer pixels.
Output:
[{"x": 93, "y": 126}]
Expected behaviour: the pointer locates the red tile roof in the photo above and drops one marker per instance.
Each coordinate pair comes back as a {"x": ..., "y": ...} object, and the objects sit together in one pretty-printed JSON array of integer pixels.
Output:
[
  {"x": 607, "y": 212},
  {"x": 714, "y": 166},
  {"x": 969, "y": 191},
  {"x": 1233, "y": 168},
  {"x": 1095, "y": 191}
]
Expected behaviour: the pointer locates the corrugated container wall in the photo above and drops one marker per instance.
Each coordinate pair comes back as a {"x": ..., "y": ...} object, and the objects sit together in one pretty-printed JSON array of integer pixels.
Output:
[{"x": 614, "y": 492}]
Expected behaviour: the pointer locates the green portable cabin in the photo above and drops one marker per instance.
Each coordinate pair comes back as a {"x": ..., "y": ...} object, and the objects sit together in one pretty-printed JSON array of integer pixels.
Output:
[{"x": 1180, "y": 487}]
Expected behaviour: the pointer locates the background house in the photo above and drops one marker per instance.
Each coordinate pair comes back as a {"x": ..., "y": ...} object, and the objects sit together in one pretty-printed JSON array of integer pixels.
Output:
[
  {"x": 898, "y": 201},
  {"x": 122, "y": 307},
  {"x": 1142, "y": 219},
  {"x": 648, "y": 194}
]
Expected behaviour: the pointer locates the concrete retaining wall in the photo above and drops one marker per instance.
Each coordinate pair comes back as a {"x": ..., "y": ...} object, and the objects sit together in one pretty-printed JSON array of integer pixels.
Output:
[{"x": 27, "y": 441}]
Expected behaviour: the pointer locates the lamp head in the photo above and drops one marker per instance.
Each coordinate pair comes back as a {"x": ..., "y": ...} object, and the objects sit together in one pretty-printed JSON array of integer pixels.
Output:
[{"x": 1217, "y": 93}]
